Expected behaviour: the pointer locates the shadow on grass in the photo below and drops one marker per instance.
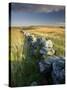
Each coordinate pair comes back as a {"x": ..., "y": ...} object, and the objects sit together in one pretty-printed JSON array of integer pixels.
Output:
[{"x": 23, "y": 73}]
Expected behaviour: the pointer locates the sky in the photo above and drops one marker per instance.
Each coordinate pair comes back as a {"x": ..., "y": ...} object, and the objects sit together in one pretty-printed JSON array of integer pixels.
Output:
[{"x": 37, "y": 14}]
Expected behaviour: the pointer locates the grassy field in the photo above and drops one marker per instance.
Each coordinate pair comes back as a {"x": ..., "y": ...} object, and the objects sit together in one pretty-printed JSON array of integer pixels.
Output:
[
  {"x": 56, "y": 34},
  {"x": 23, "y": 71}
]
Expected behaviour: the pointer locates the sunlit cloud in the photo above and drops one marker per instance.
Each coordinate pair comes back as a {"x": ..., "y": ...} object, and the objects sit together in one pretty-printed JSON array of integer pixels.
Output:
[
  {"x": 37, "y": 14},
  {"x": 22, "y": 7}
]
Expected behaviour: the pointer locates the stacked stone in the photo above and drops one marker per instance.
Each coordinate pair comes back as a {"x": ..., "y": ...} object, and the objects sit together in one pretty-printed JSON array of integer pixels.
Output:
[{"x": 53, "y": 67}]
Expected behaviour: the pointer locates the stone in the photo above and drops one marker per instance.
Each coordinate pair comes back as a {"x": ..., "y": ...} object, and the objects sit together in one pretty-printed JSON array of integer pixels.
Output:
[
  {"x": 44, "y": 66},
  {"x": 41, "y": 66},
  {"x": 49, "y": 44},
  {"x": 58, "y": 72},
  {"x": 41, "y": 41},
  {"x": 50, "y": 51},
  {"x": 34, "y": 38},
  {"x": 43, "y": 51},
  {"x": 53, "y": 67},
  {"x": 49, "y": 47},
  {"x": 26, "y": 34},
  {"x": 34, "y": 83}
]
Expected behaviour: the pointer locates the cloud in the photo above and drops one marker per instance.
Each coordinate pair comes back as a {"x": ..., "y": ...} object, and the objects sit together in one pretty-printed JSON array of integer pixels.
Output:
[{"x": 22, "y": 7}]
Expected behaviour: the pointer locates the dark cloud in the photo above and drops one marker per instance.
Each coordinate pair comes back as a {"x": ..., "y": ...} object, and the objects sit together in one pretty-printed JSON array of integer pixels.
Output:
[{"x": 35, "y": 7}]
